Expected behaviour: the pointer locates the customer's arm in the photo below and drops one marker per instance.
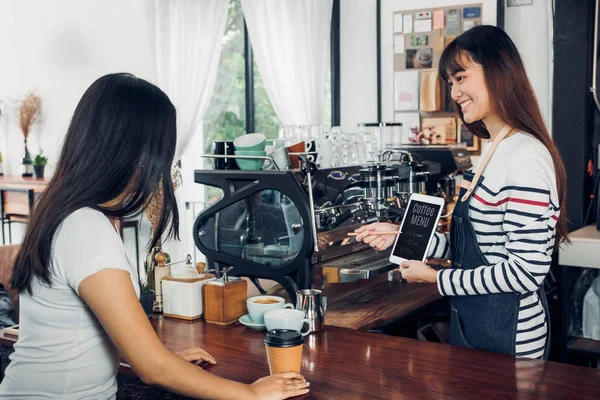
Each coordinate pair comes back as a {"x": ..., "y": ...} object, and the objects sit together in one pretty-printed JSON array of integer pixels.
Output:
[{"x": 111, "y": 296}]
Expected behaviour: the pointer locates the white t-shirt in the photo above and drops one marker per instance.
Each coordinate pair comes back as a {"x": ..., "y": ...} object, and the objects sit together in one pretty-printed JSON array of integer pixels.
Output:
[{"x": 63, "y": 352}]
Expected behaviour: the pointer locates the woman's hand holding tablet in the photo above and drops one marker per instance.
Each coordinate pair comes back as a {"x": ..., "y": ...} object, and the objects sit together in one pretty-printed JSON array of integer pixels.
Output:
[
  {"x": 418, "y": 226},
  {"x": 418, "y": 272}
]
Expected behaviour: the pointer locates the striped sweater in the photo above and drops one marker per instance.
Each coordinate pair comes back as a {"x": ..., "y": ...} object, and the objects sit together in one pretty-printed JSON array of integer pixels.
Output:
[{"x": 514, "y": 213}]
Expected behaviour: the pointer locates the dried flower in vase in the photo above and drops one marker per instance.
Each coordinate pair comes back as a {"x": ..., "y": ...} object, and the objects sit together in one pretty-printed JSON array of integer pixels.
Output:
[
  {"x": 154, "y": 208},
  {"x": 27, "y": 113},
  {"x": 153, "y": 212}
]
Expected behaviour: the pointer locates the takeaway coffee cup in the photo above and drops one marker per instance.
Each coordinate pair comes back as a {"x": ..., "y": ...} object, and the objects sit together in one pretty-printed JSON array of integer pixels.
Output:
[
  {"x": 258, "y": 305},
  {"x": 284, "y": 350}
]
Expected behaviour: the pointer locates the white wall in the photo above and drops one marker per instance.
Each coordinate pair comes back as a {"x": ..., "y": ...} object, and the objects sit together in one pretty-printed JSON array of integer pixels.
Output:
[
  {"x": 530, "y": 29},
  {"x": 528, "y": 26},
  {"x": 58, "y": 48},
  {"x": 358, "y": 59}
]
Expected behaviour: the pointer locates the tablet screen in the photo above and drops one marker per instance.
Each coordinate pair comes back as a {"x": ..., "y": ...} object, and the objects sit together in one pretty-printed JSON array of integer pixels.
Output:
[{"x": 419, "y": 222}]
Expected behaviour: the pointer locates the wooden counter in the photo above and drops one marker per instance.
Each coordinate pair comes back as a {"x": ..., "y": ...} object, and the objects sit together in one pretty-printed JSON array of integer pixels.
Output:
[
  {"x": 341, "y": 363},
  {"x": 372, "y": 303}
]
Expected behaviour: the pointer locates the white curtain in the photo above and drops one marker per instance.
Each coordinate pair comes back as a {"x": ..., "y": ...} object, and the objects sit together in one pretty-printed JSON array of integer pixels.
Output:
[
  {"x": 189, "y": 39},
  {"x": 290, "y": 40},
  {"x": 188, "y": 36}
]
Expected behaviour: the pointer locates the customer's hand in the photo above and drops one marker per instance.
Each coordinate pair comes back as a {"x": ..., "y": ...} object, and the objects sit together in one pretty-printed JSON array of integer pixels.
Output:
[
  {"x": 418, "y": 272},
  {"x": 368, "y": 234},
  {"x": 196, "y": 354},
  {"x": 279, "y": 386}
]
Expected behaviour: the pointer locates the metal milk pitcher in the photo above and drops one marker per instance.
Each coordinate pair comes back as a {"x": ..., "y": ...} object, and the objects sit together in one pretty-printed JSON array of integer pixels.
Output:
[{"x": 314, "y": 305}]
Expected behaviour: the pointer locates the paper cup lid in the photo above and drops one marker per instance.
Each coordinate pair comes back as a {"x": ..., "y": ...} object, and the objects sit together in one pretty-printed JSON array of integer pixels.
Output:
[{"x": 283, "y": 338}]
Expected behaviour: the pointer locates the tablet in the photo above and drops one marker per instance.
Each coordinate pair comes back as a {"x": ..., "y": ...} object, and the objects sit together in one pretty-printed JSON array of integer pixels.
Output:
[{"x": 417, "y": 229}]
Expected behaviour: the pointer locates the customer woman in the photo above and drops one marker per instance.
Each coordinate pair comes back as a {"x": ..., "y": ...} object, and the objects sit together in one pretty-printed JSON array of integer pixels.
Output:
[
  {"x": 79, "y": 292},
  {"x": 508, "y": 218}
]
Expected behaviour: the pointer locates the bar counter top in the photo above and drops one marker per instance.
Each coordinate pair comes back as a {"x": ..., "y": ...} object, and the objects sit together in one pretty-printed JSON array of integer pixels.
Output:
[{"x": 343, "y": 363}]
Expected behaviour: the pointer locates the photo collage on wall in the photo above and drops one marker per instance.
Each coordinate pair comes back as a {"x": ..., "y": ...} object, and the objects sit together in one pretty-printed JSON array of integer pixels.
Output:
[{"x": 420, "y": 37}]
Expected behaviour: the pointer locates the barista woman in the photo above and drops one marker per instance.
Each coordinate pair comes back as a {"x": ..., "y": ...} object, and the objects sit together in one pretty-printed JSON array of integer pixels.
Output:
[
  {"x": 78, "y": 291},
  {"x": 508, "y": 218}
]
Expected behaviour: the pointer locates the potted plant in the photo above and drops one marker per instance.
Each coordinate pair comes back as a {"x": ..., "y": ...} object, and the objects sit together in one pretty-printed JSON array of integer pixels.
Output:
[
  {"x": 147, "y": 296},
  {"x": 39, "y": 162}
]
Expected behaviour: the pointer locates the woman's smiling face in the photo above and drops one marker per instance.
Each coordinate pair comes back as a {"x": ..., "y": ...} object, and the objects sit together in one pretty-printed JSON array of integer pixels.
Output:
[{"x": 469, "y": 90}]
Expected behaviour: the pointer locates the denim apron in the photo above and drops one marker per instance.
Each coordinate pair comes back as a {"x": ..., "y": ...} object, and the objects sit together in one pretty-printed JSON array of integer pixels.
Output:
[{"x": 487, "y": 321}]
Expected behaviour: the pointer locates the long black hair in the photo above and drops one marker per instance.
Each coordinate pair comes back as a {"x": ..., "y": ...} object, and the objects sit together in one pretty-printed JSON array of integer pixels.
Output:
[
  {"x": 511, "y": 95},
  {"x": 120, "y": 143}
]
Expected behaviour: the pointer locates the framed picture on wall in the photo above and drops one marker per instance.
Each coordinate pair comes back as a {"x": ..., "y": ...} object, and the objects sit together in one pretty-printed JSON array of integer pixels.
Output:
[{"x": 466, "y": 137}]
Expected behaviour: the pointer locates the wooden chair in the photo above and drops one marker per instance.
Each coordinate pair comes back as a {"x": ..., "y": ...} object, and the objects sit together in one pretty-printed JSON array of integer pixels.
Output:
[
  {"x": 8, "y": 254},
  {"x": 16, "y": 207}
]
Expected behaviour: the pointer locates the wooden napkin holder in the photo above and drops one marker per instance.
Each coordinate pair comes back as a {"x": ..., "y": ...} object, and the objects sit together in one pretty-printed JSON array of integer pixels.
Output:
[{"x": 225, "y": 300}]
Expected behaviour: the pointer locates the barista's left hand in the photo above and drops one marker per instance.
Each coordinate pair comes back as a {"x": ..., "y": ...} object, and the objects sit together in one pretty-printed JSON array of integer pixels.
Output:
[
  {"x": 196, "y": 354},
  {"x": 418, "y": 272}
]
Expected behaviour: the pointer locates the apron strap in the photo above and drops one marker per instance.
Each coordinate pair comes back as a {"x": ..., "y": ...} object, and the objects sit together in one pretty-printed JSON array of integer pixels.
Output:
[{"x": 484, "y": 162}]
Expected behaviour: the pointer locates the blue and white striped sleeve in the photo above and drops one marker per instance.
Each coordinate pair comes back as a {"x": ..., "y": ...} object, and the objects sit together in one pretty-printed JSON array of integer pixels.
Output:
[{"x": 440, "y": 246}]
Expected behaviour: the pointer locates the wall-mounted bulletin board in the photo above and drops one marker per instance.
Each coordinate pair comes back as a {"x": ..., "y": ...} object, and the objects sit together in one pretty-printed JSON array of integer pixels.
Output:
[
  {"x": 421, "y": 35},
  {"x": 414, "y": 39}
]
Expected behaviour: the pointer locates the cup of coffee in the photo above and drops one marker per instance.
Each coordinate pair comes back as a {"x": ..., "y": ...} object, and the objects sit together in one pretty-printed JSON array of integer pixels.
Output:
[
  {"x": 284, "y": 350},
  {"x": 287, "y": 319},
  {"x": 258, "y": 305}
]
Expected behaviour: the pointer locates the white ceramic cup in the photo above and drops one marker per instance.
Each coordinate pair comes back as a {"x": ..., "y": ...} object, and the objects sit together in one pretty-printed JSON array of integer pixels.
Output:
[
  {"x": 281, "y": 158},
  {"x": 287, "y": 319},
  {"x": 250, "y": 141},
  {"x": 277, "y": 143},
  {"x": 326, "y": 153},
  {"x": 258, "y": 305}
]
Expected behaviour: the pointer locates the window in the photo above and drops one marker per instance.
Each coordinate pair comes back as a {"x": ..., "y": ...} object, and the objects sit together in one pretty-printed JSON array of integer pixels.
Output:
[
  {"x": 266, "y": 121},
  {"x": 240, "y": 103},
  {"x": 226, "y": 115}
]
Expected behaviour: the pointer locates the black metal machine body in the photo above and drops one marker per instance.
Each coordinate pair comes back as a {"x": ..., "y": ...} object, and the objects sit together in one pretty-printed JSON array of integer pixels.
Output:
[
  {"x": 260, "y": 227},
  {"x": 451, "y": 159},
  {"x": 292, "y": 226}
]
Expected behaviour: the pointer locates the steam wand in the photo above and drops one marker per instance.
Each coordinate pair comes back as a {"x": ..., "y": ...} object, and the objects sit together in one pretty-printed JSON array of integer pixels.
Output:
[{"x": 309, "y": 168}]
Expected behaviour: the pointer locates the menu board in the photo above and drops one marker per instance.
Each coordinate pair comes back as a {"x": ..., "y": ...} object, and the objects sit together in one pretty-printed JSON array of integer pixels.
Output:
[{"x": 419, "y": 222}]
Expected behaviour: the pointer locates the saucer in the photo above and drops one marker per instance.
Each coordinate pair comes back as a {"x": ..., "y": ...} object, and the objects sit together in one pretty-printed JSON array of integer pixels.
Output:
[{"x": 246, "y": 320}]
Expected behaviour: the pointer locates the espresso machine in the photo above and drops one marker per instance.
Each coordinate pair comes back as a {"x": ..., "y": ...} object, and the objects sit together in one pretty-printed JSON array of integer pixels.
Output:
[
  {"x": 292, "y": 226},
  {"x": 451, "y": 160}
]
